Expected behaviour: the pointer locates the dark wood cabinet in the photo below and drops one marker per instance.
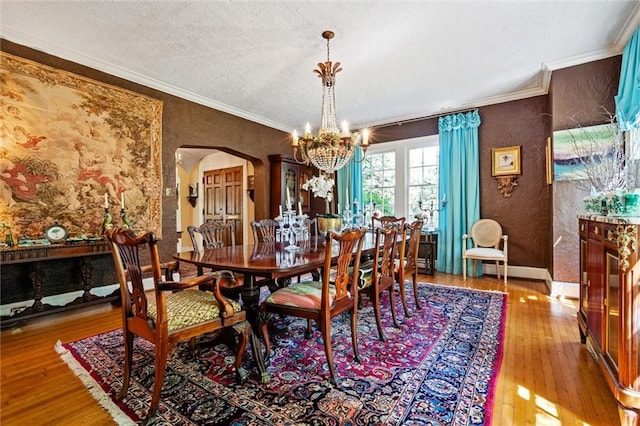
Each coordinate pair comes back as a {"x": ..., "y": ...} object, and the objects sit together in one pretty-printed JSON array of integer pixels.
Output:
[
  {"x": 609, "y": 307},
  {"x": 287, "y": 173}
]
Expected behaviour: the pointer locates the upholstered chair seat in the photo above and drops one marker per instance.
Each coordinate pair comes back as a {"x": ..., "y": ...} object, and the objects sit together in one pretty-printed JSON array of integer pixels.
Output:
[{"x": 189, "y": 308}]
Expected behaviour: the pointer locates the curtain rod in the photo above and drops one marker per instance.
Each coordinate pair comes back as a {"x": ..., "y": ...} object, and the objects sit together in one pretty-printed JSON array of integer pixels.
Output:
[{"x": 426, "y": 117}]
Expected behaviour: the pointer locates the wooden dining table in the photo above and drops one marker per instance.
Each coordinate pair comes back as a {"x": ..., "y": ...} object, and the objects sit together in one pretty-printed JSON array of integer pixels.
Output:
[{"x": 265, "y": 261}]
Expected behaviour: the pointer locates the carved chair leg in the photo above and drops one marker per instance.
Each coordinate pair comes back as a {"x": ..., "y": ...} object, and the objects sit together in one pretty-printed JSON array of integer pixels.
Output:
[
  {"x": 376, "y": 309},
  {"x": 354, "y": 334},
  {"x": 326, "y": 336},
  {"x": 415, "y": 290},
  {"x": 392, "y": 305},
  {"x": 128, "y": 359},
  {"x": 309, "y": 331},
  {"x": 162, "y": 353},
  {"x": 403, "y": 299}
]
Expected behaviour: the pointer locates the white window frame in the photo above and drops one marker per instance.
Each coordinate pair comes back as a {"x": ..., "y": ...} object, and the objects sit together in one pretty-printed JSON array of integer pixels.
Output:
[{"x": 401, "y": 149}]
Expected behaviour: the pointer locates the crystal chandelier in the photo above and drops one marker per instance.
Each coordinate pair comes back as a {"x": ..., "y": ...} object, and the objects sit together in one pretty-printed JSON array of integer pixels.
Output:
[{"x": 332, "y": 148}]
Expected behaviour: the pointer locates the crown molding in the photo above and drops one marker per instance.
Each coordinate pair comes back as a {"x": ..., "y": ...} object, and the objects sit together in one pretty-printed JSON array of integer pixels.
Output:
[{"x": 117, "y": 71}]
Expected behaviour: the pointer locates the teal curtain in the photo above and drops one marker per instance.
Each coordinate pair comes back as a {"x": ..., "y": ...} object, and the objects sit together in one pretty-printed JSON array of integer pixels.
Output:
[
  {"x": 459, "y": 186},
  {"x": 349, "y": 179},
  {"x": 628, "y": 98}
]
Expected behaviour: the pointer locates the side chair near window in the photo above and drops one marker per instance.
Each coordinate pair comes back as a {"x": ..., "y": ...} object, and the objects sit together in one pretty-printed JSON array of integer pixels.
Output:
[
  {"x": 382, "y": 221},
  {"x": 486, "y": 235},
  {"x": 172, "y": 313},
  {"x": 214, "y": 234},
  {"x": 379, "y": 275},
  {"x": 323, "y": 300},
  {"x": 407, "y": 264}
]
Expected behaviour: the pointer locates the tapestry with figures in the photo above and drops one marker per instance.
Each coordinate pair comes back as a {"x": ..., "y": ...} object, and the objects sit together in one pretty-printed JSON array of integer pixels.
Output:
[{"x": 74, "y": 149}]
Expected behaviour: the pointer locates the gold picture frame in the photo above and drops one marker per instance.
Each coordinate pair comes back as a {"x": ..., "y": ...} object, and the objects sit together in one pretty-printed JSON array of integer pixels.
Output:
[{"x": 505, "y": 161}]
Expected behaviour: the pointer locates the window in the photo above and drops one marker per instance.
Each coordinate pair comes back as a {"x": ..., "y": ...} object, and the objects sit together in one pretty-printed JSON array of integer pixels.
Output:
[
  {"x": 379, "y": 181},
  {"x": 423, "y": 180},
  {"x": 397, "y": 175}
]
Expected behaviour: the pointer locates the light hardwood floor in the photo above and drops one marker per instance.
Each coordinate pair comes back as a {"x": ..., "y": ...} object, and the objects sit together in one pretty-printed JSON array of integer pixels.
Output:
[{"x": 547, "y": 377}]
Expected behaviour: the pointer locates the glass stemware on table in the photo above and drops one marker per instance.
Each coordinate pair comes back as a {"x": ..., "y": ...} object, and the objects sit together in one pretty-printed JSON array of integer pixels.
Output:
[{"x": 292, "y": 227}]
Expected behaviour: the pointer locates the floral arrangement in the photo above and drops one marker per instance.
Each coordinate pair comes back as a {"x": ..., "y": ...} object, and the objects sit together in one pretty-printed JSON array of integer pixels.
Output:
[{"x": 321, "y": 186}]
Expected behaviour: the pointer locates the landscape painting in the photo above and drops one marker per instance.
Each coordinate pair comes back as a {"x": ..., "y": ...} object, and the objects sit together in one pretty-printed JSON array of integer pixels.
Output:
[{"x": 573, "y": 146}]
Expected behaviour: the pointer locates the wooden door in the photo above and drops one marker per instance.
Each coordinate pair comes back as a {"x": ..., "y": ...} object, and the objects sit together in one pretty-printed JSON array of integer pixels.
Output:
[{"x": 224, "y": 197}]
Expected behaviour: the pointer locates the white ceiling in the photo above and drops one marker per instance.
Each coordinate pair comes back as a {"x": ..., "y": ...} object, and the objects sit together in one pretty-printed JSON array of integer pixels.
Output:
[{"x": 401, "y": 60}]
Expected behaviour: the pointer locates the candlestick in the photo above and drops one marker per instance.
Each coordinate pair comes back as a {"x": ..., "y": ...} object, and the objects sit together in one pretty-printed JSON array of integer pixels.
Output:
[
  {"x": 299, "y": 208},
  {"x": 288, "y": 197},
  {"x": 122, "y": 200},
  {"x": 280, "y": 210},
  {"x": 346, "y": 198},
  {"x": 106, "y": 201}
]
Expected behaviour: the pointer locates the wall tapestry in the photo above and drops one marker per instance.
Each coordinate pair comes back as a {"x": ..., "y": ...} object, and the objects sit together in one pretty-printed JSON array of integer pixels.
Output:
[{"x": 71, "y": 147}]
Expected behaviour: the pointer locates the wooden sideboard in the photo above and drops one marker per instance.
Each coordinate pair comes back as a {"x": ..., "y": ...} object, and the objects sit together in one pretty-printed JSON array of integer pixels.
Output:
[
  {"x": 29, "y": 274},
  {"x": 609, "y": 310}
]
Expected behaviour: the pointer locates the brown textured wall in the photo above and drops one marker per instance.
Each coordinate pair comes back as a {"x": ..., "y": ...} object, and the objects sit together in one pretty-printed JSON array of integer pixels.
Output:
[
  {"x": 187, "y": 124},
  {"x": 526, "y": 216},
  {"x": 579, "y": 95}
]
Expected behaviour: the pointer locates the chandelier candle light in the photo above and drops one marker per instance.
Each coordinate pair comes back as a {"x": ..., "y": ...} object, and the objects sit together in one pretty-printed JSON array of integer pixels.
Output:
[{"x": 332, "y": 148}]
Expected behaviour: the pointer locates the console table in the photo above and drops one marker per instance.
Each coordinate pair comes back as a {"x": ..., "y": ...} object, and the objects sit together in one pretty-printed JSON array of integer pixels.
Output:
[{"x": 31, "y": 273}]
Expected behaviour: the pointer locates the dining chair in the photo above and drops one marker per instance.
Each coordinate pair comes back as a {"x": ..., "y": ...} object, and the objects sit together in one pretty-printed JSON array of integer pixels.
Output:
[
  {"x": 213, "y": 235},
  {"x": 407, "y": 263},
  {"x": 173, "y": 312},
  {"x": 486, "y": 235},
  {"x": 265, "y": 231},
  {"x": 379, "y": 275},
  {"x": 382, "y": 221},
  {"x": 321, "y": 301}
]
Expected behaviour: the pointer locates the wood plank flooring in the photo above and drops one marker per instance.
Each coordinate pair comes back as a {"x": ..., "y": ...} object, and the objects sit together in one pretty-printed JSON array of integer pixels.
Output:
[{"x": 547, "y": 377}]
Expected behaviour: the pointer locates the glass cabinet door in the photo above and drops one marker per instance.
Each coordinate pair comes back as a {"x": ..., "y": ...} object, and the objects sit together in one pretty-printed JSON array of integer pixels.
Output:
[
  {"x": 290, "y": 180},
  {"x": 612, "y": 306}
]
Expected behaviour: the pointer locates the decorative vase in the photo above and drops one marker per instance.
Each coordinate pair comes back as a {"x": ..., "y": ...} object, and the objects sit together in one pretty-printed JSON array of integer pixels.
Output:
[{"x": 326, "y": 224}]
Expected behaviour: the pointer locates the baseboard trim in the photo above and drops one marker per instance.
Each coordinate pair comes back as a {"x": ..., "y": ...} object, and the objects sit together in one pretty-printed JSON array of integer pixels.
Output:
[{"x": 555, "y": 288}]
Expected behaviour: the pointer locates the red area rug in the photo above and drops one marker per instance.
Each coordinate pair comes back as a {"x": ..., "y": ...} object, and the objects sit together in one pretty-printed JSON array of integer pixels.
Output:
[{"x": 439, "y": 368}]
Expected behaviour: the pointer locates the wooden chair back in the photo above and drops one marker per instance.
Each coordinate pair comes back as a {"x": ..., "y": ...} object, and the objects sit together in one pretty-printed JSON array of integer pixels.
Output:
[
  {"x": 407, "y": 265},
  {"x": 213, "y": 234},
  {"x": 265, "y": 231},
  {"x": 379, "y": 275},
  {"x": 382, "y": 221},
  {"x": 159, "y": 316},
  {"x": 338, "y": 293}
]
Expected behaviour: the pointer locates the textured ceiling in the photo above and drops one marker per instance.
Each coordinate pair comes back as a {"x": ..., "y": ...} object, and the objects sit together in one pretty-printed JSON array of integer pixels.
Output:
[{"x": 255, "y": 59}]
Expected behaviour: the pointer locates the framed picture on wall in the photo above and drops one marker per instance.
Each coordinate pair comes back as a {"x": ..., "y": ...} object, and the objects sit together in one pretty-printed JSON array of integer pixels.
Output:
[{"x": 505, "y": 161}]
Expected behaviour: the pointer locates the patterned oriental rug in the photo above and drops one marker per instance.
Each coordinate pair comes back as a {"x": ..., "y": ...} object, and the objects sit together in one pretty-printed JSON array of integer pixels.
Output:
[{"x": 439, "y": 368}]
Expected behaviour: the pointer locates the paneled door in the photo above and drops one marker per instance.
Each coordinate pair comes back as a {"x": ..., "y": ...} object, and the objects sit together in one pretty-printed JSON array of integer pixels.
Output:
[{"x": 223, "y": 197}]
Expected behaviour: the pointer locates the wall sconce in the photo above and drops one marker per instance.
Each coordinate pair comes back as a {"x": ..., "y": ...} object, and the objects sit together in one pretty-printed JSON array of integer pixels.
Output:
[{"x": 193, "y": 194}]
